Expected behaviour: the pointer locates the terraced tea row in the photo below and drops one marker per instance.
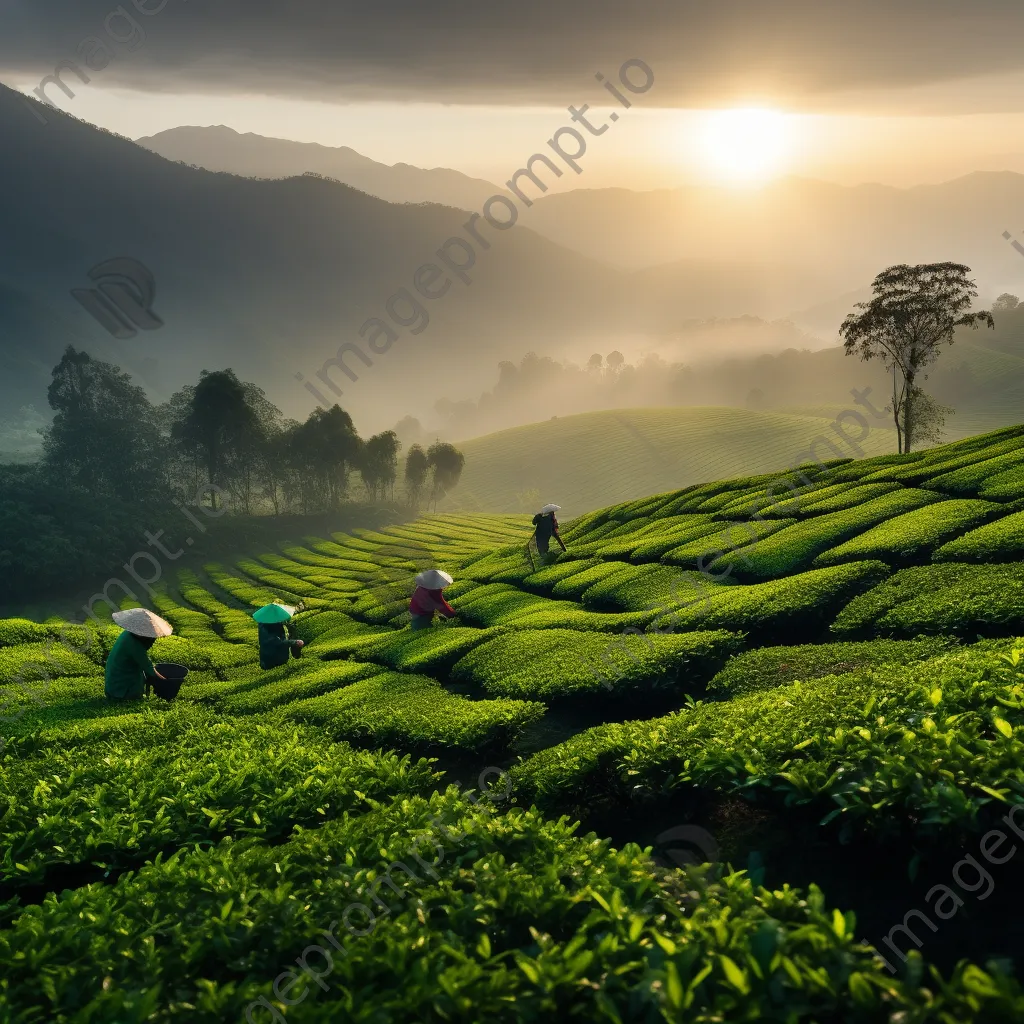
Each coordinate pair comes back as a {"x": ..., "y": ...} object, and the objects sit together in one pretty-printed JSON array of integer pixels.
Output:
[{"x": 732, "y": 590}]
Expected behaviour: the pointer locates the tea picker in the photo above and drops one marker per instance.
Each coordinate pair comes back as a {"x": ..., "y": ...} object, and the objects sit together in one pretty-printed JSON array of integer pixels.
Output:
[
  {"x": 429, "y": 598},
  {"x": 545, "y": 527},
  {"x": 275, "y": 645},
  {"x": 128, "y": 673}
]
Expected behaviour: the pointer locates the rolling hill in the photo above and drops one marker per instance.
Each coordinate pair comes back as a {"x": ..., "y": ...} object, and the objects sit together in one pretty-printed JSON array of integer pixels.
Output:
[
  {"x": 587, "y": 461},
  {"x": 218, "y": 148},
  {"x": 742, "y": 790},
  {"x": 267, "y": 277}
]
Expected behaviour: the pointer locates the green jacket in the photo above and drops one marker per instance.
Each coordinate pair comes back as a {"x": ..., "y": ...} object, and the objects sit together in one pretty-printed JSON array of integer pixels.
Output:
[
  {"x": 128, "y": 665},
  {"x": 274, "y": 646}
]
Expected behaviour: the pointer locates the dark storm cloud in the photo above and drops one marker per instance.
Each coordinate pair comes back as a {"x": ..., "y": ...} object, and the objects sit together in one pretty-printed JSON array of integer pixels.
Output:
[{"x": 527, "y": 50}]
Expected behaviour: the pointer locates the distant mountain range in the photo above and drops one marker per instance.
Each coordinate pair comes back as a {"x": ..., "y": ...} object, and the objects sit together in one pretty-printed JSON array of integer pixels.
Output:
[
  {"x": 765, "y": 251},
  {"x": 837, "y": 235},
  {"x": 271, "y": 276},
  {"x": 222, "y": 149},
  {"x": 268, "y": 277}
]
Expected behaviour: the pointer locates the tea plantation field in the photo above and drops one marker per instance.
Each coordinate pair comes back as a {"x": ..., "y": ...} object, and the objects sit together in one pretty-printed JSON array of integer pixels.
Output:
[
  {"x": 813, "y": 680},
  {"x": 593, "y": 459}
]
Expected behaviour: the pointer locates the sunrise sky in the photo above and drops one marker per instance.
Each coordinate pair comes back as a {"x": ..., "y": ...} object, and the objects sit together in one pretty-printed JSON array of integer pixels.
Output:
[{"x": 901, "y": 94}]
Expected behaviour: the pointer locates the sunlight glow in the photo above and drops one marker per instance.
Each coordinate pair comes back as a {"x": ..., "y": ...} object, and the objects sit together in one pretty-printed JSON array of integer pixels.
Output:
[{"x": 747, "y": 145}]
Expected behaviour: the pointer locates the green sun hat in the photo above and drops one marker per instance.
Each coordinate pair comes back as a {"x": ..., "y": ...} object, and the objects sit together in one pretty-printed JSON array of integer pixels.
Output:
[{"x": 271, "y": 613}]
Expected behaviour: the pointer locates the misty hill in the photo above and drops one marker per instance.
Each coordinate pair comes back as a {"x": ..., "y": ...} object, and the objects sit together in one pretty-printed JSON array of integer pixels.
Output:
[
  {"x": 268, "y": 277},
  {"x": 718, "y": 251},
  {"x": 681, "y": 289},
  {"x": 219, "y": 148},
  {"x": 588, "y": 461},
  {"x": 837, "y": 236},
  {"x": 772, "y": 367}
]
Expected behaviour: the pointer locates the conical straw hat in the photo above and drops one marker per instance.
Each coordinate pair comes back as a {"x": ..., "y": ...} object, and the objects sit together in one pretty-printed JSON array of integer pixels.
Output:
[
  {"x": 143, "y": 622},
  {"x": 433, "y": 579},
  {"x": 271, "y": 613},
  {"x": 550, "y": 508}
]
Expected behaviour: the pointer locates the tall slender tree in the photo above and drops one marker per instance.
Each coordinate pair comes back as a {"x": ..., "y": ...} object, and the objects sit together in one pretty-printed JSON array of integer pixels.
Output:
[
  {"x": 914, "y": 312},
  {"x": 378, "y": 464},
  {"x": 417, "y": 465}
]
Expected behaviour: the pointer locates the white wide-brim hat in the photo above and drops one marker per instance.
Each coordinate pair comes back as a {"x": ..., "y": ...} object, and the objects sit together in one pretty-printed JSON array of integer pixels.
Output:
[
  {"x": 433, "y": 579},
  {"x": 550, "y": 508},
  {"x": 142, "y": 622}
]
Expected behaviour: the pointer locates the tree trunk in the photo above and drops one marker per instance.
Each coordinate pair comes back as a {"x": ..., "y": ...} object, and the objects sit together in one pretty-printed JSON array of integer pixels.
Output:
[
  {"x": 908, "y": 413},
  {"x": 897, "y": 413}
]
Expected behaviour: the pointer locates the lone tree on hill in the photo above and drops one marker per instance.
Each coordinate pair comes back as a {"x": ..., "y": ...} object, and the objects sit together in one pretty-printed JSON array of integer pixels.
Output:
[{"x": 915, "y": 310}]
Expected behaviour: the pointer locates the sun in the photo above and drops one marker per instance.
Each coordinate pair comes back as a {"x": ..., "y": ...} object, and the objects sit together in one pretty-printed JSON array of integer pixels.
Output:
[{"x": 747, "y": 145}]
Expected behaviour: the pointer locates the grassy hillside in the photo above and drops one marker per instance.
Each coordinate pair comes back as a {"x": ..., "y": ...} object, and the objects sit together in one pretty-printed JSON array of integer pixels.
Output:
[
  {"x": 787, "y": 708},
  {"x": 594, "y": 459}
]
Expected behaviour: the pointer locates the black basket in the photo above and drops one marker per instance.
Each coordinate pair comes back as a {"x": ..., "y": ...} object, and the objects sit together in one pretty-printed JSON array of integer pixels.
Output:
[{"x": 168, "y": 687}]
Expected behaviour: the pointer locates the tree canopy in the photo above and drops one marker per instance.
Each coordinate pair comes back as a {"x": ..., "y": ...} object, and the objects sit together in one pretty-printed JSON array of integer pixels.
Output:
[
  {"x": 104, "y": 435},
  {"x": 914, "y": 312}
]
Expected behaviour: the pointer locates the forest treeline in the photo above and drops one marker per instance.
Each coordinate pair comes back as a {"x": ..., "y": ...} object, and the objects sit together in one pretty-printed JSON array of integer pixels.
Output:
[{"x": 111, "y": 460}]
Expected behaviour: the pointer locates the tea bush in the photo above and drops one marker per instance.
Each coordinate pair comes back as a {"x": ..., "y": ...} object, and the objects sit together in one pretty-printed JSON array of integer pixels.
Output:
[
  {"x": 501, "y": 605},
  {"x": 1000, "y": 541},
  {"x": 701, "y": 552},
  {"x": 914, "y": 535},
  {"x": 206, "y": 654},
  {"x": 14, "y": 632},
  {"x": 264, "y": 694},
  {"x": 961, "y": 600},
  {"x": 574, "y": 586},
  {"x": 433, "y": 651},
  {"x": 795, "y": 547},
  {"x": 1004, "y": 486},
  {"x": 659, "y": 534},
  {"x": 415, "y": 711},
  {"x": 555, "y": 663},
  {"x": 244, "y": 591},
  {"x": 642, "y": 586},
  {"x": 788, "y": 504},
  {"x": 530, "y": 914},
  {"x": 321, "y": 626},
  {"x": 44, "y": 659},
  {"x": 829, "y": 500},
  {"x": 927, "y": 750},
  {"x": 769, "y": 667},
  {"x": 546, "y": 578},
  {"x": 122, "y": 800},
  {"x": 791, "y": 610},
  {"x": 947, "y": 459},
  {"x": 658, "y": 544},
  {"x": 973, "y": 478}
]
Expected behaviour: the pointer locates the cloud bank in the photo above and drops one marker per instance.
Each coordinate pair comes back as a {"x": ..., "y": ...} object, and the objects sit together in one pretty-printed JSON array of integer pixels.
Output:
[{"x": 455, "y": 51}]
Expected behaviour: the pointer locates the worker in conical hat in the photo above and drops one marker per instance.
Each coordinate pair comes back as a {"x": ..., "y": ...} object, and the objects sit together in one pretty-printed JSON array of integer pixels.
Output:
[
  {"x": 275, "y": 644},
  {"x": 429, "y": 598},
  {"x": 546, "y": 527},
  {"x": 128, "y": 666}
]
